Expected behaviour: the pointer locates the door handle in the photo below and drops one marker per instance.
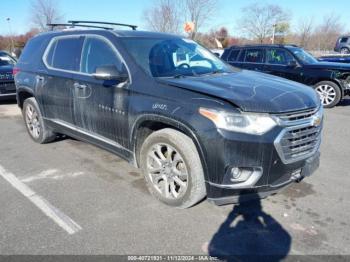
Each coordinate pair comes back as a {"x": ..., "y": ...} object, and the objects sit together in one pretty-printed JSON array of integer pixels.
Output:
[
  {"x": 79, "y": 86},
  {"x": 40, "y": 78}
]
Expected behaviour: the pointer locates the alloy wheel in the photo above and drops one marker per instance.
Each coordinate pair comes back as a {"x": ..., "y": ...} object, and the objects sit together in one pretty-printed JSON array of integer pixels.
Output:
[
  {"x": 344, "y": 51},
  {"x": 327, "y": 94},
  {"x": 167, "y": 171},
  {"x": 32, "y": 121}
]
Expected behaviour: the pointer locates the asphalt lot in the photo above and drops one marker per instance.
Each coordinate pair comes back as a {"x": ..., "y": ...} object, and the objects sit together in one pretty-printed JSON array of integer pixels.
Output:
[{"x": 101, "y": 205}]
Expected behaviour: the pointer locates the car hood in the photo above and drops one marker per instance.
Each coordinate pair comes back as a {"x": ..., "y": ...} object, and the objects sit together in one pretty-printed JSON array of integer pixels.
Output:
[
  {"x": 252, "y": 91},
  {"x": 329, "y": 66}
]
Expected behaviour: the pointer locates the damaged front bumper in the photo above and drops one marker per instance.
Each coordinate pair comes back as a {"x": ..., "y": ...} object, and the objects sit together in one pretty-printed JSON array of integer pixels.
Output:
[
  {"x": 250, "y": 192},
  {"x": 243, "y": 167}
]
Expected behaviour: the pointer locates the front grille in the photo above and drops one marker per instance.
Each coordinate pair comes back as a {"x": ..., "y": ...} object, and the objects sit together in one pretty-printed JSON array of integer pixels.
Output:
[
  {"x": 299, "y": 141},
  {"x": 7, "y": 87},
  {"x": 6, "y": 76},
  {"x": 298, "y": 115}
]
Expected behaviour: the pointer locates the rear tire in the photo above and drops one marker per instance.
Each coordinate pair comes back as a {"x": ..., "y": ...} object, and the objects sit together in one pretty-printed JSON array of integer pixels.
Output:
[
  {"x": 329, "y": 92},
  {"x": 172, "y": 168},
  {"x": 35, "y": 125}
]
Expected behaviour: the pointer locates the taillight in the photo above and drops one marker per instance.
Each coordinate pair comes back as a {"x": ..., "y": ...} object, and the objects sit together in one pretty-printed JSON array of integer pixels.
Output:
[{"x": 15, "y": 70}]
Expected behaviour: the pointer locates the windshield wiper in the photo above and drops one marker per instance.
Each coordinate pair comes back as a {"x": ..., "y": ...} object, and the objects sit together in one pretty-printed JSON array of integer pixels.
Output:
[{"x": 217, "y": 72}]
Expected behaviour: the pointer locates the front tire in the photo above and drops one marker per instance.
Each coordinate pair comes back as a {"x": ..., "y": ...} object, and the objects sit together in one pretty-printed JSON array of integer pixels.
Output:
[
  {"x": 172, "y": 168},
  {"x": 35, "y": 125},
  {"x": 344, "y": 50},
  {"x": 329, "y": 92}
]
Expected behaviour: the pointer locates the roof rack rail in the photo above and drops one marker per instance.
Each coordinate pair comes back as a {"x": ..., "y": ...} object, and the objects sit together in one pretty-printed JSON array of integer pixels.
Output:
[
  {"x": 76, "y": 22},
  {"x": 73, "y": 25}
]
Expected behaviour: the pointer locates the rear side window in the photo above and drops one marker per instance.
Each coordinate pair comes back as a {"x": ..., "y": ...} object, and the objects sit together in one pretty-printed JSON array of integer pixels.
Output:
[
  {"x": 64, "y": 53},
  {"x": 254, "y": 56},
  {"x": 98, "y": 52},
  {"x": 233, "y": 55},
  {"x": 344, "y": 40}
]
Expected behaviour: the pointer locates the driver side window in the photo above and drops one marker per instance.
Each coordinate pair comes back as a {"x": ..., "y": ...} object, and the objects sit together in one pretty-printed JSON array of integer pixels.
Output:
[
  {"x": 278, "y": 56},
  {"x": 98, "y": 52}
]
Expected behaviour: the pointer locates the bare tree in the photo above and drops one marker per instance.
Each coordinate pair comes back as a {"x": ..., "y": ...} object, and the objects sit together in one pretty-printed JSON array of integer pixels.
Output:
[
  {"x": 259, "y": 21},
  {"x": 305, "y": 31},
  {"x": 45, "y": 12},
  {"x": 163, "y": 16},
  {"x": 328, "y": 32},
  {"x": 200, "y": 12}
]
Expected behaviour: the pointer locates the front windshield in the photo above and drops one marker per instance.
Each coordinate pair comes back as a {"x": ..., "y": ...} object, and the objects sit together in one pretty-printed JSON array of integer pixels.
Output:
[
  {"x": 304, "y": 56},
  {"x": 6, "y": 60},
  {"x": 174, "y": 57}
]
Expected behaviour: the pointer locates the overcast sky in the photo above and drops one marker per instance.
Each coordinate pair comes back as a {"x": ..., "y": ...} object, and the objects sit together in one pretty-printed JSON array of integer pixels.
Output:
[{"x": 130, "y": 11}]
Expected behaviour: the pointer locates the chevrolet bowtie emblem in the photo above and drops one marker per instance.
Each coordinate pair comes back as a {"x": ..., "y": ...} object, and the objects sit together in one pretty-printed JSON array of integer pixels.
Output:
[{"x": 316, "y": 121}]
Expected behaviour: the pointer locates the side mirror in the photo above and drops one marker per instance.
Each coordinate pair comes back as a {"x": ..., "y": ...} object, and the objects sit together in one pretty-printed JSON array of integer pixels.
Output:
[
  {"x": 109, "y": 72},
  {"x": 292, "y": 64}
]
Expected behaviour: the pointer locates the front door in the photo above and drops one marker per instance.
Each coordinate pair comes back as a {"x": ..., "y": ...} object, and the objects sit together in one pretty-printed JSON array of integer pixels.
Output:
[
  {"x": 280, "y": 62},
  {"x": 100, "y": 106}
]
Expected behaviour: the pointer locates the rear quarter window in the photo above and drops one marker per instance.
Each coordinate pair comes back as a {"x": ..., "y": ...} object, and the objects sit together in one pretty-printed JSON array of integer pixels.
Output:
[
  {"x": 64, "y": 53},
  {"x": 32, "y": 51}
]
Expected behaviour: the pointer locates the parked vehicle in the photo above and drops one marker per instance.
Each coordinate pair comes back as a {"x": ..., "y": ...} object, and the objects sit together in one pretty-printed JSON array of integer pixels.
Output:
[
  {"x": 7, "y": 84},
  {"x": 343, "y": 45},
  {"x": 330, "y": 80},
  {"x": 194, "y": 130},
  {"x": 217, "y": 52},
  {"x": 335, "y": 58}
]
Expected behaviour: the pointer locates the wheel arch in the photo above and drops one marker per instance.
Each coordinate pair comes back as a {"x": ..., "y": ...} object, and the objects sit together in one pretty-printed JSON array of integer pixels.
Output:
[
  {"x": 23, "y": 93},
  {"x": 149, "y": 123}
]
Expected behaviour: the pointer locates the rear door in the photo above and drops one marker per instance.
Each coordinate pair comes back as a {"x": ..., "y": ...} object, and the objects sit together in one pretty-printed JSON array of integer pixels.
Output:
[
  {"x": 55, "y": 83},
  {"x": 100, "y": 106},
  {"x": 278, "y": 63},
  {"x": 253, "y": 59}
]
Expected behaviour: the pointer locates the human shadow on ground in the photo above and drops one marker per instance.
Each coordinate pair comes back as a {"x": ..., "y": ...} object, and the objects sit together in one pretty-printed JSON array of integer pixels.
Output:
[{"x": 250, "y": 234}]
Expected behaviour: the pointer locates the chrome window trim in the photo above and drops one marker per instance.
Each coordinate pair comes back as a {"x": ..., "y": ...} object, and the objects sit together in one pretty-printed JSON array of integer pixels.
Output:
[{"x": 47, "y": 50}]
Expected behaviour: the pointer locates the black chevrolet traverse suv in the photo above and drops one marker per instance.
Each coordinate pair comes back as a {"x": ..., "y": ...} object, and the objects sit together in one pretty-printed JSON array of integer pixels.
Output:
[
  {"x": 195, "y": 126},
  {"x": 330, "y": 80}
]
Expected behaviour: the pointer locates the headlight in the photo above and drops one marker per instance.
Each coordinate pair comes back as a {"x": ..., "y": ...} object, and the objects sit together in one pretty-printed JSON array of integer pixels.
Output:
[{"x": 256, "y": 124}]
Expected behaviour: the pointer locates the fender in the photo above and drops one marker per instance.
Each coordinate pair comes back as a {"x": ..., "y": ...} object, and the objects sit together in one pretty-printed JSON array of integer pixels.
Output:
[
  {"x": 174, "y": 123},
  {"x": 24, "y": 89}
]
